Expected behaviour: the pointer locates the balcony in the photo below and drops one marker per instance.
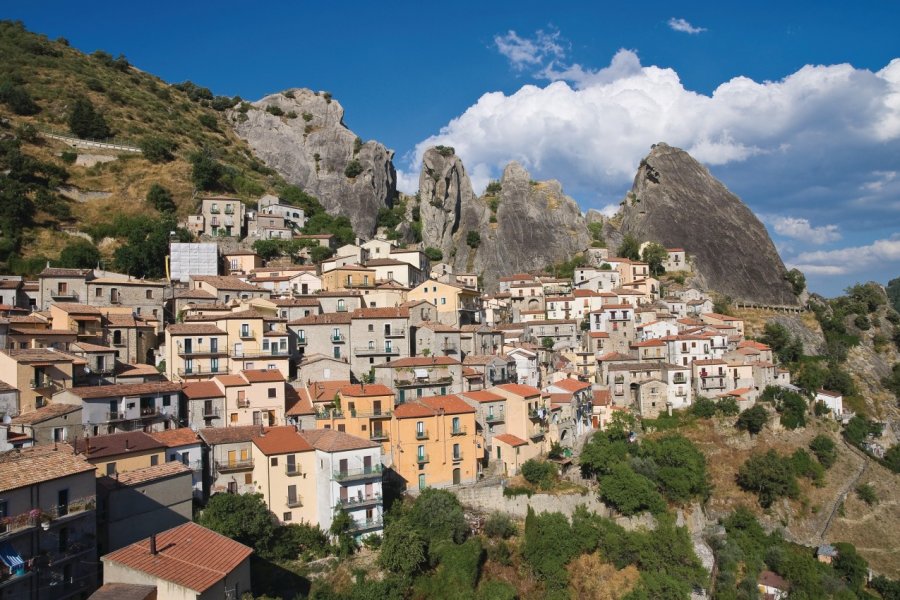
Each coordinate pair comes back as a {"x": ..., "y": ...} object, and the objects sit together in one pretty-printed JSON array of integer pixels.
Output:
[
  {"x": 360, "y": 501},
  {"x": 301, "y": 341},
  {"x": 395, "y": 333},
  {"x": 210, "y": 413},
  {"x": 229, "y": 210},
  {"x": 422, "y": 459},
  {"x": 64, "y": 295},
  {"x": 149, "y": 412},
  {"x": 338, "y": 338},
  {"x": 372, "y": 414},
  {"x": 200, "y": 372},
  {"x": 379, "y": 436},
  {"x": 330, "y": 413},
  {"x": 495, "y": 419},
  {"x": 115, "y": 416},
  {"x": 421, "y": 434},
  {"x": 243, "y": 403},
  {"x": 424, "y": 381},
  {"x": 461, "y": 430},
  {"x": 537, "y": 415},
  {"x": 341, "y": 308},
  {"x": 273, "y": 353},
  {"x": 376, "y": 351},
  {"x": 449, "y": 347},
  {"x": 366, "y": 525},
  {"x": 230, "y": 466},
  {"x": 679, "y": 380},
  {"x": 201, "y": 352},
  {"x": 349, "y": 475},
  {"x": 214, "y": 211},
  {"x": 294, "y": 501},
  {"x": 247, "y": 335},
  {"x": 292, "y": 470},
  {"x": 538, "y": 433}
]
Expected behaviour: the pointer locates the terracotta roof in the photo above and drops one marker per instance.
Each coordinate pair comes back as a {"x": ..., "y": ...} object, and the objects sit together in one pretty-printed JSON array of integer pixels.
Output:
[
  {"x": 386, "y": 262},
  {"x": 194, "y": 329},
  {"x": 85, "y": 347},
  {"x": 102, "y": 446},
  {"x": 50, "y": 411},
  {"x": 229, "y": 435},
  {"x": 263, "y": 375},
  {"x": 60, "y": 272},
  {"x": 230, "y": 380},
  {"x": 5, "y": 387},
  {"x": 560, "y": 398},
  {"x": 189, "y": 555},
  {"x": 421, "y": 361},
  {"x": 228, "y": 283},
  {"x": 77, "y": 309},
  {"x": 125, "y": 389},
  {"x": 381, "y": 313},
  {"x": 361, "y": 391},
  {"x": 770, "y": 579},
  {"x": 721, "y": 317},
  {"x": 200, "y": 390},
  {"x": 709, "y": 361},
  {"x": 325, "y": 391},
  {"x": 29, "y": 466},
  {"x": 599, "y": 334},
  {"x": 615, "y": 356},
  {"x": 298, "y": 402},
  {"x": 195, "y": 295},
  {"x": 129, "y": 370},
  {"x": 173, "y": 438},
  {"x": 483, "y": 396},
  {"x": 145, "y": 474},
  {"x": 126, "y": 321},
  {"x": 338, "y": 318},
  {"x": 330, "y": 440},
  {"x": 526, "y": 391},
  {"x": 830, "y": 393},
  {"x": 295, "y": 302},
  {"x": 571, "y": 385},
  {"x": 508, "y": 438},
  {"x": 30, "y": 355},
  {"x": 601, "y": 398},
  {"x": 283, "y": 439},
  {"x": 484, "y": 359},
  {"x": 438, "y": 327},
  {"x": 412, "y": 410},
  {"x": 450, "y": 404}
]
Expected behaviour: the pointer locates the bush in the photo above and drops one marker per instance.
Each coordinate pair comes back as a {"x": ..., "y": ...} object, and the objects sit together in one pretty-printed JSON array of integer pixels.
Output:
[
  {"x": 804, "y": 466},
  {"x": 17, "y": 99},
  {"x": 473, "y": 239},
  {"x": 793, "y": 410},
  {"x": 445, "y": 151},
  {"x": 434, "y": 254},
  {"x": 86, "y": 122},
  {"x": 242, "y": 517},
  {"x": 703, "y": 407},
  {"x": 539, "y": 473},
  {"x": 79, "y": 254},
  {"x": 892, "y": 458},
  {"x": 548, "y": 547},
  {"x": 272, "y": 109},
  {"x": 438, "y": 515},
  {"x": 728, "y": 407},
  {"x": 499, "y": 525},
  {"x": 294, "y": 541},
  {"x": 630, "y": 493},
  {"x": 770, "y": 476},
  {"x": 753, "y": 419},
  {"x": 677, "y": 467},
  {"x": 206, "y": 171},
  {"x": 867, "y": 494},
  {"x": 157, "y": 149},
  {"x": 160, "y": 198},
  {"x": 69, "y": 157},
  {"x": 493, "y": 188},
  {"x": 402, "y": 549},
  {"x": 629, "y": 248},
  {"x": 208, "y": 121},
  {"x": 353, "y": 169},
  {"x": 824, "y": 449},
  {"x": 511, "y": 491}
]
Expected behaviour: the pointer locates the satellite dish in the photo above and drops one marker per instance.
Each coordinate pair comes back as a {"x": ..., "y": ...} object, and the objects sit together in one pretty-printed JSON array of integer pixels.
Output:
[
  {"x": 194, "y": 428},
  {"x": 7, "y": 419}
]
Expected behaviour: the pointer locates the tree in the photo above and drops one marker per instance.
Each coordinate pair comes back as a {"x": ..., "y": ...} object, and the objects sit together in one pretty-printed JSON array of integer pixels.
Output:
[
  {"x": 161, "y": 199},
  {"x": 146, "y": 246},
  {"x": 770, "y": 476},
  {"x": 434, "y": 254},
  {"x": 17, "y": 98},
  {"x": 299, "y": 539},
  {"x": 473, "y": 239},
  {"x": 703, "y": 407},
  {"x": 539, "y": 472},
  {"x": 499, "y": 525},
  {"x": 786, "y": 347},
  {"x": 893, "y": 293},
  {"x": 438, "y": 515},
  {"x": 678, "y": 467},
  {"x": 852, "y": 567},
  {"x": 628, "y": 492},
  {"x": 548, "y": 547},
  {"x": 86, "y": 122},
  {"x": 341, "y": 524},
  {"x": 79, "y": 254},
  {"x": 600, "y": 454},
  {"x": 793, "y": 410},
  {"x": 892, "y": 458},
  {"x": 824, "y": 449},
  {"x": 157, "y": 149},
  {"x": 797, "y": 281},
  {"x": 655, "y": 255},
  {"x": 403, "y": 549},
  {"x": 547, "y": 343},
  {"x": 242, "y": 517},
  {"x": 206, "y": 171},
  {"x": 892, "y": 381},
  {"x": 753, "y": 419},
  {"x": 595, "y": 228},
  {"x": 629, "y": 248},
  {"x": 867, "y": 494},
  {"x": 353, "y": 168}
]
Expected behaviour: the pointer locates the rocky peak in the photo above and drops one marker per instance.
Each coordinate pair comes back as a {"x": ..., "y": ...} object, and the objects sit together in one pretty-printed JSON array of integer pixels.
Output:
[
  {"x": 677, "y": 202},
  {"x": 444, "y": 190},
  {"x": 301, "y": 134}
]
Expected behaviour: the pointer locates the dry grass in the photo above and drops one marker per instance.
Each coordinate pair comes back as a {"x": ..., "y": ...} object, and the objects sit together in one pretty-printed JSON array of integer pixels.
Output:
[{"x": 755, "y": 320}]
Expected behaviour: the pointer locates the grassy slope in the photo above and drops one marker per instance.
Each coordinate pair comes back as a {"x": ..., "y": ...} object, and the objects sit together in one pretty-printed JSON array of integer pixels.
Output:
[{"x": 135, "y": 105}]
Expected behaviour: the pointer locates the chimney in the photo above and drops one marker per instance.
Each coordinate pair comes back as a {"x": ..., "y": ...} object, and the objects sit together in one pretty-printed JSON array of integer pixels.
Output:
[
  {"x": 153, "y": 551},
  {"x": 127, "y": 444}
]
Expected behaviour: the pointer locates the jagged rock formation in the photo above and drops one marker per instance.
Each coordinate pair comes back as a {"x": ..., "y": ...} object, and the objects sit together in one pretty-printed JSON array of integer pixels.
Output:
[
  {"x": 310, "y": 146},
  {"x": 678, "y": 203},
  {"x": 536, "y": 224}
]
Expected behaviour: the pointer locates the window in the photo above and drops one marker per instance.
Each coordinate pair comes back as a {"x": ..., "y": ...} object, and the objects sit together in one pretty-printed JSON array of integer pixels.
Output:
[
  {"x": 111, "y": 469},
  {"x": 286, "y": 516},
  {"x": 98, "y": 293},
  {"x": 273, "y": 392},
  {"x": 274, "y": 461},
  {"x": 167, "y": 400},
  {"x": 455, "y": 424},
  {"x": 443, "y": 300},
  {"x": 154, "y": 460},
  {"x": 456, "y": 452},
  {"x": 245, "y": 330},
  {"x": 337, "y": 351},
  {"x": 149, "y": 294},
  {"x": 371, "y": 327}
]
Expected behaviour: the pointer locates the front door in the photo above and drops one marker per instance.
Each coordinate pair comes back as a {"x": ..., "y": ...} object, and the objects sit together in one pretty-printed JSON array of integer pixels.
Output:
[
  {"x": 62, "y": 502},
  {"x": 456, "y": 476},
  {"x": 367, "y": 464},
  {"x": 422, "y": 481}
]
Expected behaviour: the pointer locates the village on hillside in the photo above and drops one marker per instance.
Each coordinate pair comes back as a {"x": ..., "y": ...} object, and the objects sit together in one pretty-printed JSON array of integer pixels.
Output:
[{"x": 323, "y": 387}]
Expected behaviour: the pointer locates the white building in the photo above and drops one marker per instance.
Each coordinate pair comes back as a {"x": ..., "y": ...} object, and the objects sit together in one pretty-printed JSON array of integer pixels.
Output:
[
  {"x": 183, "y": 445},
  {"x": 833, "y": 400},
  {"x": 528, "y": 369}
]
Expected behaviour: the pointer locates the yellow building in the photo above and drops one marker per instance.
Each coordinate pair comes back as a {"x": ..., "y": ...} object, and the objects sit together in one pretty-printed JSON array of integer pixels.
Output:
[
  {"x": 284, "y": 472},
  {"x": 527, "y": 419},
  {"x": 121, "y": 452},
  {"x": 434, "y": 443},
  {"x": 456, "y": 304},
  {"x": 38, "y": 374},
  {"x": 348, "y": 277},
  {"x": 363, "y": 411}
]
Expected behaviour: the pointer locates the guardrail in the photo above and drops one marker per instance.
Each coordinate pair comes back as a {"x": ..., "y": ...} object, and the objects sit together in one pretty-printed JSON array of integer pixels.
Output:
[{"x": 103, "y": 144}]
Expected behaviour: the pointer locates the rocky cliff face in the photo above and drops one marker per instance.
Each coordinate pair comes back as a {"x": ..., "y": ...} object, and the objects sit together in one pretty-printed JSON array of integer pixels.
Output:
[
  {"x": 310, "y": 146},
  {"x": 535, "y": 223},
  {"x": 676, "y": 202}
]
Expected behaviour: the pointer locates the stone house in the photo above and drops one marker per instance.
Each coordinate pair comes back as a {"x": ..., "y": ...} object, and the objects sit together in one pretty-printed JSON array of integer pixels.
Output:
[
  {"x": 229, "y": 454},
  {"x": 325, "y": 334},
  {"x": 565, "y": 334},
  {"x": 480, "y": 339},
  {"x": 433, "y": 338},
  {"x": 455, "y": 304},
  {"x": 226, "y": 289},
  {"x": 419, "y": 376},
  {"x": 125, "y": 406},
  {"x": 222, "y": 216},
  {"x": 50, "y": 424},
  {"x": 377, "y": 334}
]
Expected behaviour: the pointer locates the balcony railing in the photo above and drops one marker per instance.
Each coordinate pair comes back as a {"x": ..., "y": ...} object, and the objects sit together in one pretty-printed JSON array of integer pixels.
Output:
[
  {"x": 13, "y": 525},
  {"x": 379, "y": 436},
  {"x": 243, "y": 403},
  {"x": 330, "y": 413},
  {"x": 294, "y": 501},
  {"x": 395, "y": 333},
  {"x": 422, "y": 381},
  {"x": 360, "y": 501},
  {"x": 229, "y": 466},
  {"x": 537, "y": 415},
  {"x": 338, "y": 338},
  {"x": 263, "y": 354},
  {"x": 367, "y": 524},
  {"x": 210, "y": 413},
  {"x": 201, "y": 372},
  {"x": 355, "y": 474},
  {"x": 421, "y": 434},
  {"x": 495, "y": 419},
  {"x": 422, "y": 458},
  {"x": 64, "y": 295},
  {"x": 366, "y": 351},
  {"x": 115, "y": 416},
  {"x": 371, "y": 414},
  {"x": 301, "y": 341},
  {"x": 214, "y": 211},
  {"x": 538, "y": 433},
  {"x": 149, "y": 412},
  {"x": 202, "y": 352},
  {"x": 461, "y": 430},
  {"x": 292, "y": 470}
]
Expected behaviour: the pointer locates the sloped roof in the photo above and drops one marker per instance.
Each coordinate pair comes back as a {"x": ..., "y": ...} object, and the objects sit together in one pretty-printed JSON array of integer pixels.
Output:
[
  {"x": 263, "y": 375},
  {"x": 45, "y": 413},
  {"x": 361, "y": 391},
  {"x": 330, "y": 440},
  {"x": 125, "y": 389},
  {"x": 526, "y": 391},
  {"x": 173, "y": 438},
  {"x": 189, "y": 555},
  {"x": 229, "y": 435},
  {"x": 508, "y": 438},
  {"x": 483, "y": 396},
  {"x": 102, "y": 446},
  {"x": 28, "y": 466},
  {"x": 200, "y": 390},
  {"x": 283, "y": 439}
]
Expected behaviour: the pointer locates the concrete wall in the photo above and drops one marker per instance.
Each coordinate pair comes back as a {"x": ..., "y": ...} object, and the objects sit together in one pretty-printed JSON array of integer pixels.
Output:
[{"x": 136, "y": 512}]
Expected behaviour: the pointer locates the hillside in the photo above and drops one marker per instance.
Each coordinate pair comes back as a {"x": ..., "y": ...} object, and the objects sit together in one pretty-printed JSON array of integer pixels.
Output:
[{"x": 138, "y": 109}]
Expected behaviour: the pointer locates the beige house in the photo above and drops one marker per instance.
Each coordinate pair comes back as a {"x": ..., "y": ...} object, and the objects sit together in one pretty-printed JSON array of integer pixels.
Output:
[
  {"x": 455, "y": 304},
  {"x": 419, "y": 376},
  {"x": 241, "y": 262},
  {"x": 285, "y": 474},
  {"x": 121, "y": 452},
  {"x": 222, "y": 216},
  {"x": 377, "y": 334},
  {"x": 227, "y": 289},
  {"x": 231, "y": 458},
  {"x": 528, "y": 420},
  {"x": 37, "y": 374}
]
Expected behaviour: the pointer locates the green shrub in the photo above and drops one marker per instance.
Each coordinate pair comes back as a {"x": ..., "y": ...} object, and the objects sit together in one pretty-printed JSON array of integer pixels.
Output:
[
  {"x": 79, "y": 254},
  {"x": 160, "y": 198},
  {"x": 17, "y": 99},
  {"x": 307, "y": 117},
  {"x": 867, "y": 494},
  {"x": 499, "y": 525},
  {"x": 793, "y": 410},
  {"x": 434, "y": 254},
  {"x": 445, "y": 151},
  {"x": 824, "y": 449},
  {"x": 157, "y": 149},
  {"x": 208, "y": 121},
  {"x": 69, "y": 157},
  {"x": 630, "y": 493},
  {"x": 862, "y": 322},
  {"x": 728, "y": 407},
  {"x": 353, "y": 168},
  {"x": 703, "y": 407},
  {"x": 473, "y": 239},
  {"x": 302, "y": 540},
  {"x": 275, "y": 110},
  {"x": 548, "y": 547},
  {"x": 804, "y": 466},
  {"x": 512, "y": 491},
  {"x": 676, "y": 465},
  {"x": 539, "y": 473},
  {"x": 493, "y": 188},
  {"x": 402, "y": 549},
  {"x": 770, "y": 476},
  {"x": 753, "y": 419},
  {"x": 86, "y": 122},
  {"x": 206, "y": 171}
]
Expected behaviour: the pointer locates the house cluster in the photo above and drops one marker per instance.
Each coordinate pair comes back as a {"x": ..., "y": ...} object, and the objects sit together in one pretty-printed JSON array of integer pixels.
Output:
[{"x": 124, "y": 401}]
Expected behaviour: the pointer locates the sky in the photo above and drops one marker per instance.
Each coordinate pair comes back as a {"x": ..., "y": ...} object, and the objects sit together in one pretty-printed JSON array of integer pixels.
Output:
[{"x": 794, "y": 106}]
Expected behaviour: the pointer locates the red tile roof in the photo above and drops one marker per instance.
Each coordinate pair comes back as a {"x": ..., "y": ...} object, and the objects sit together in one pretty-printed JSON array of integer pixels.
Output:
[
  {"x": 362, "y": 391},
  {"x": 202, "y": 389},
  {"x": 126, "y": 389},
  {"x": 329, "y": 440},
  {"x": 30, "y": 466},
  {"x": 421, "y": 361},
  {"x": 281, "y": 440},
  {"x": 189, "y": 555},
  {"x": 450, "y": 404},
  {"x": 483, "y": 396},
  {"x": 508, "y": 438},
  {"x": 571, "y": 385},
  {"x": 263, "y": 375},
  {"x": 526, "y": 391},
  {"x": 172, "y": 438},
  {"x": 103, "y": 446}
]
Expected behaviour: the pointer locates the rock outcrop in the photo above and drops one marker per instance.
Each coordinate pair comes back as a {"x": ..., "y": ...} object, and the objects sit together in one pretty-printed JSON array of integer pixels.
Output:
[
  {"x": 307, "y": 143},
  {"x": 676, "y": 201},
  {"x": 524, "y": 226}
]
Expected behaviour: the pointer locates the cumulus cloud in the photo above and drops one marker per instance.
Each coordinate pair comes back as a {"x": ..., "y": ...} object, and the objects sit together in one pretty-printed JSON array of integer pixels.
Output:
[
  {"x": 528, "y": 52},
  {"x": 843, "y": 261},
  {"x": 801, "y": 229},
  {"x": 684, "y": 27}
]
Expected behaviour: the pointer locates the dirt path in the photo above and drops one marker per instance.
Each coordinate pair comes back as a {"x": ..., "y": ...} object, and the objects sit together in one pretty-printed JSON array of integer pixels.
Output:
[{"x": 847, "y": 489}]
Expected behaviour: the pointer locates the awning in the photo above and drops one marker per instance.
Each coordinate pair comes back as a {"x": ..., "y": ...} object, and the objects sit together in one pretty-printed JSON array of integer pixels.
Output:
[
  {"x": 421, "y": 373},
  {"x": 10, "y": 556}
]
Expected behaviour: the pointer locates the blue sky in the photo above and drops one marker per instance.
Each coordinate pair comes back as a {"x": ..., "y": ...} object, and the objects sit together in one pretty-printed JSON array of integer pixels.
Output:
[{"x": 795, "y": 106}]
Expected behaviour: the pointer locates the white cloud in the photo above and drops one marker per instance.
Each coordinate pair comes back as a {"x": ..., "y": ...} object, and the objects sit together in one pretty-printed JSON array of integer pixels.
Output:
[
  {"x": 528, "y": 52},
  {"x": 609, "y": 210},
  {"x": 801, "y": 229},
  {"x": 880, "y": 253},
  {"x": 684, "y": 27}
]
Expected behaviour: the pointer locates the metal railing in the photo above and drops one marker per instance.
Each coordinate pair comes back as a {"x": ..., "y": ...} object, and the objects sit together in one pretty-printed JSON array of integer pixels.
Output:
[
  {"x": 395, "y": 333},
  {"x": 367, "y": 524},
  {"x": 359, "y": 501},
  {"x": 355, "y": 474},
  {"x": 243, "y": 403},
  {"x": 422, "y": 458},
  {"x": 292, "y": 470},
  {"x": 338, "y": 339},
  {"x": 461, "y": 430},
  {"x": 379, "y": 436},
  {"x": 494, "y": 418},
  {"x": 457, "y": 457},
  {"x": 200, "y": 372},
  {"x": 421, "y": 434},
  {"x": 365, "y": 350},
  {"x": 234, "y": 465},
  {"x": 294, "y": 501},
  {"x": 261, "y": 354}
]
